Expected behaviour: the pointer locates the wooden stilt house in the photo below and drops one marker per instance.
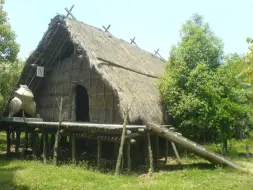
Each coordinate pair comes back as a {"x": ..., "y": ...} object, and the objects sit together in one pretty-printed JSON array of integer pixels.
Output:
[{"x": 98, "y": 76}]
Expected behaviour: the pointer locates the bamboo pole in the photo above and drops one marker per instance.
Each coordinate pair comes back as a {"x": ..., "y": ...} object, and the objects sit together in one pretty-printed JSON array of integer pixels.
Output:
[
  {"x": 45, "y": 143},
  {"x": 99, "y": 153},
  {"x": 73, "y": 144},
  {"x": 151, "y": 165}
]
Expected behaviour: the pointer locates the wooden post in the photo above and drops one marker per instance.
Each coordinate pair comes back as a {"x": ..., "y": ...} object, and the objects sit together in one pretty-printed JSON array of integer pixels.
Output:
[
  {"x": 151, "y": 169},
  {"x": 23, "y": 150},
  {"x": 17, "y": 141},
  {"x": 129, "y": 157},
  {"x": 73, "y": 148},
  {"x": 166, "y": 151},
  {"x": 34, "y": 144},
  {"x": 13, "y": 135},
  {"x": 157, "y": 151},
  {"x": 45, "y": 143},
  {"x": 99, "y": 153},
  {"x": 8, "y": 141},
  {"x": 26, "y": 141}
]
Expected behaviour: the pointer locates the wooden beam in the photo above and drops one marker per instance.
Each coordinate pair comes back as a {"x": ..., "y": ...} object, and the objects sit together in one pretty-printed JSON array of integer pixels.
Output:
[
  {"x": 73, "y": 148},
  {"x": 151, "y": 165},
  {"x": 99, "y": 153}
]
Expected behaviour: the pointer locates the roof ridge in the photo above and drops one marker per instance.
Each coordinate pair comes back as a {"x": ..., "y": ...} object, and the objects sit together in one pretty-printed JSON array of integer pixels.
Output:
[{"x": 120, "y": 39}]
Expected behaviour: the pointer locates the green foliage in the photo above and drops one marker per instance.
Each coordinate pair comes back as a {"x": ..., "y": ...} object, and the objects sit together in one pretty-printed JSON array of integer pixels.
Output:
[
  {"x": 9, "y": 74},
  {"x": 8, "y": 46},
  {"x": 198, "y": 44},
  {"x": 10, "y": 66},
  {"x": 203, "y": 96}
]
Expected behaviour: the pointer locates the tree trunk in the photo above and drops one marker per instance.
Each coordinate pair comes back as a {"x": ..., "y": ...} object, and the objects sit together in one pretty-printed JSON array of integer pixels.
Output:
[
  {"x": 224, "y": 147},
  {"x": 120, "y": 154}
]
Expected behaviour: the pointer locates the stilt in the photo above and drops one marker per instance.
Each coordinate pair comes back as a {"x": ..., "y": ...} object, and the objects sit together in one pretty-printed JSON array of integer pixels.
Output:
[
  {"x": 26, "y": 141},
  {"x": 176, "y": 153},
  {"x": 34, "y": 144},
  {"x": 45, "y": 142},
  {"x": 8, "y": 141},
  {"x": 23, "y": 149},
  {"x": 157, "y": 151},
  {"x": 12, "y": 135},
  {"x": 17, "y": 142},
  {"x": 166, "y": 151},
  {"x": 129, "y": 167},
  {"x": 150, "y": 155},
  {"x": 73, "y": 148},
  {"x": 99, "y": 153}
]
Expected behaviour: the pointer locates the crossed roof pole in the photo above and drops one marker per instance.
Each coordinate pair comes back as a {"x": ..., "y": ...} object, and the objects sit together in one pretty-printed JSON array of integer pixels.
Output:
[{"x": 106, "y": 29}]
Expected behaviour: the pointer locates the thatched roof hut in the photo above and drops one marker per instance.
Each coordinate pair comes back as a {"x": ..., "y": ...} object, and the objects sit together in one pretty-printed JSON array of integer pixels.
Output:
[{"x": 113, "y": 72}]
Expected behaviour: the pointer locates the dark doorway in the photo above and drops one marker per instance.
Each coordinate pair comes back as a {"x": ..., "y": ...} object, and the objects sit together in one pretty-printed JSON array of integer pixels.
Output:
[{"x": 82, "y": 104}]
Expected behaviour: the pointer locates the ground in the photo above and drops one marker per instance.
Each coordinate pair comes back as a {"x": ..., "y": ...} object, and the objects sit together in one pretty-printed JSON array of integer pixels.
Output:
[{"x": 195, "y": 173}]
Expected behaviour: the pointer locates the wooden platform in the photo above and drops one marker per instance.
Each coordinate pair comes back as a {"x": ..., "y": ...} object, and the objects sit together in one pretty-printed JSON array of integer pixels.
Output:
[{"x": 19, "y": 122}]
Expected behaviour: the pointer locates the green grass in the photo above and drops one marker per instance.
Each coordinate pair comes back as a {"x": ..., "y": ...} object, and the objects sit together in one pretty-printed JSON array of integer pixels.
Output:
[
  {"x": 35, "y": 175},
  {"x": 193, "y": 174}
]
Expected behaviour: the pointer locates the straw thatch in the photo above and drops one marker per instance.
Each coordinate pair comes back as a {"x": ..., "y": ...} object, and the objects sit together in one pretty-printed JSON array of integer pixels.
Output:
[{"x": 130, "y": 72}]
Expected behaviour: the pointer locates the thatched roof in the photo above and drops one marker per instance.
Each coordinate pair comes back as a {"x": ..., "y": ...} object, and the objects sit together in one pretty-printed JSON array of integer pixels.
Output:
[{"x": 129, "y": 70}]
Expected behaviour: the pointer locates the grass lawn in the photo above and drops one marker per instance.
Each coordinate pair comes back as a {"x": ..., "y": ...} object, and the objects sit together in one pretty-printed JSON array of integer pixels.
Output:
[{"x": 193, "y": 174}]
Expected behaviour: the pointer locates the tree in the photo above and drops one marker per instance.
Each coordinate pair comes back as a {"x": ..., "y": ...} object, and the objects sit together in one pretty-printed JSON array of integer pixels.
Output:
[
  {"x": 201, "y": 93},
  {"x": 10, "y": 66},
  {"x": 8, "y": 46}
]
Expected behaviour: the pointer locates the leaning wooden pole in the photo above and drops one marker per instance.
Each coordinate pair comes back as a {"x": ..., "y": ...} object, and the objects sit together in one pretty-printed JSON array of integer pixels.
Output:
[
  {"x": 57, "y": 137},
  {"x": 191, "y": 146},
  {"x": 151, "y": 165},
  {"x": 120, "y": 154},
  {"x": 176, "y": 152}
]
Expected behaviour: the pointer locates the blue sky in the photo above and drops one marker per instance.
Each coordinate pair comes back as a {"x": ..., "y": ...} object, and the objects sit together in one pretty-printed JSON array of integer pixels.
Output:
[{"x": 155, "y": 24}]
